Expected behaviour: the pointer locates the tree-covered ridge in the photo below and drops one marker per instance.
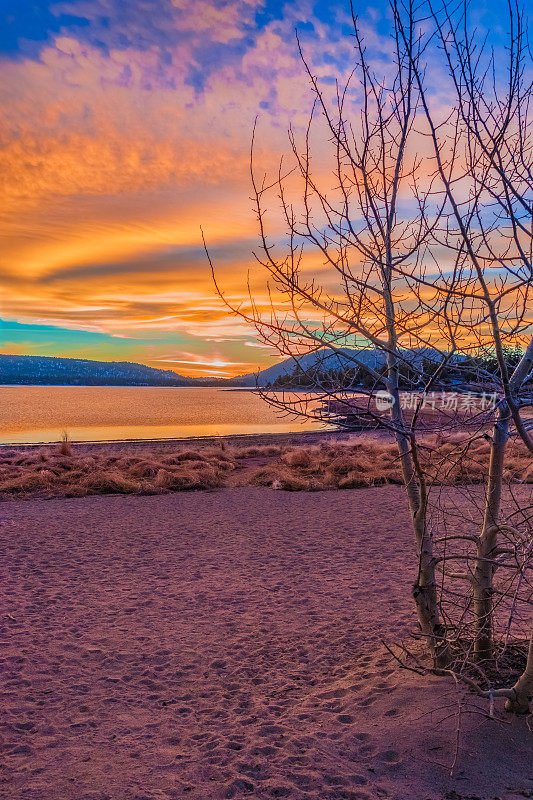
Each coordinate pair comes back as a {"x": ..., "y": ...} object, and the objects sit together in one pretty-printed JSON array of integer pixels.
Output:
[
  {"x": 413, "y": 374},
  {"x": 81, "y": 372}
]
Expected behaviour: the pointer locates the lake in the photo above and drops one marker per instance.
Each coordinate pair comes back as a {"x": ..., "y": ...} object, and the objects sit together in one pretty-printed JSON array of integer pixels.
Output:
[{"x": 30, "y": 414}]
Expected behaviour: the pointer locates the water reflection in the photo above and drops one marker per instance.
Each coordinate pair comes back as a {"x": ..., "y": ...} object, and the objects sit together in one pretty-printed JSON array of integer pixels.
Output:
[{"x": 103, "y": 413}]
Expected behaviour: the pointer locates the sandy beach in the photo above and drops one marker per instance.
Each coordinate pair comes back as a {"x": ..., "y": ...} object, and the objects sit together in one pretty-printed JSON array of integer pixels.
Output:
[{"x": 228, "y": 644}]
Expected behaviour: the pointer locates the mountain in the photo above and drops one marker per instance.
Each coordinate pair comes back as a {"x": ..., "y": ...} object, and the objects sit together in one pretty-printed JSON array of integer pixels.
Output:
[
  {"x": 81, "y": 372},
  {"x": 325, "y": 360},
  {"x": 47, "y": 370}
]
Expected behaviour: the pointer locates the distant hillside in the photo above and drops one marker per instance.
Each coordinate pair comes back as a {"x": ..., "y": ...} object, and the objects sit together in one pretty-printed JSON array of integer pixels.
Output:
[
  {"x": 80, "y": 372},
  {"x": 323, "y": 360},
  {"x": 326, "y": 360}
]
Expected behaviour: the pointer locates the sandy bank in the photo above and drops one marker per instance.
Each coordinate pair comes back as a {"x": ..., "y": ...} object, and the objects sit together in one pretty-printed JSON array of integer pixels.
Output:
[{"x": 227, "y": 644}]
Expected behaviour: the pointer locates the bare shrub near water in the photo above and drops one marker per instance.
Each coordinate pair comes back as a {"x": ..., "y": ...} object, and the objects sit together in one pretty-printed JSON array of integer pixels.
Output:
[{"x": 65, "y": 448}]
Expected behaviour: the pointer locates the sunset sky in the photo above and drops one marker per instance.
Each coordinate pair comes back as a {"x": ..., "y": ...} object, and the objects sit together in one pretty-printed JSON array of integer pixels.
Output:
[{"x": 124, "y": 126}]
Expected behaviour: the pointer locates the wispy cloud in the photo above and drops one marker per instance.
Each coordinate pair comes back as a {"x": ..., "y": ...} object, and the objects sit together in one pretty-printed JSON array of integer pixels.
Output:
[{"x": 123, "y": 127}]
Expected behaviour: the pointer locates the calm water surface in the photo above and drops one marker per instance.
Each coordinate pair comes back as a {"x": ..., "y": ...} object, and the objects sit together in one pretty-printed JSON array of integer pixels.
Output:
[{"x": 102, "y": 413}]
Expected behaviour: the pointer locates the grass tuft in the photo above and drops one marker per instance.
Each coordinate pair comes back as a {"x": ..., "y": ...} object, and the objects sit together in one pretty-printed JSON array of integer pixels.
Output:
[{"x": 65, "y": 448}]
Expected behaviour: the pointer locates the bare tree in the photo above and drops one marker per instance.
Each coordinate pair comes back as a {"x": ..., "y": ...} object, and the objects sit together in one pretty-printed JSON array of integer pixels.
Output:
[
  {"x": 409, "y": 234},
  {"x": 485, "y": 171}
]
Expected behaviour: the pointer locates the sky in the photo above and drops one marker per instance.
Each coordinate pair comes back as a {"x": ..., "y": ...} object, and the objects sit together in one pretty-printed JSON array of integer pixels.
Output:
[{"x": 125, "y": 125}]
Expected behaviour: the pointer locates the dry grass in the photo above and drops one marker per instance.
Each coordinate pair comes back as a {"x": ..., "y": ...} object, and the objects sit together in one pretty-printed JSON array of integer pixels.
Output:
[
  {"x": 366, "y": 461},
  {"x": 371, "y": 462},
  {"x": 58, "y": 473}
]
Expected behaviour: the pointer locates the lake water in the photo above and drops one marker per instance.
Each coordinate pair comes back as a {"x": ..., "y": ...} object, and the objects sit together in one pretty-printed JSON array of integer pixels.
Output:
[{"x": 102, "y": 413}]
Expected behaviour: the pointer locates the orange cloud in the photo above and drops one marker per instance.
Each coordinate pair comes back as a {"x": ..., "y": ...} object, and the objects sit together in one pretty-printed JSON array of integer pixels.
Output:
[{"x": 111, "y": 158}]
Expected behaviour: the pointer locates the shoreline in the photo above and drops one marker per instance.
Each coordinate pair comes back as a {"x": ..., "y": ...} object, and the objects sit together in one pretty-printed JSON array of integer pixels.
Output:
[{"x": 241, "y": 439}]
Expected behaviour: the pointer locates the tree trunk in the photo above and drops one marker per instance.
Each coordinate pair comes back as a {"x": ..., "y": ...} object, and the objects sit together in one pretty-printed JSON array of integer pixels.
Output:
[
  {"x": 488, "y": 542},
  {"x": 425, "y": 595},
  {"x": 425, "y": 588},
  {"x": 522, "y": 691}
]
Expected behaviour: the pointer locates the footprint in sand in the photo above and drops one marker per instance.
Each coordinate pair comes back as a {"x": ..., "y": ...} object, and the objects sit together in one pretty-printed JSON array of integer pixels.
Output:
[
  {"x": 270, "y": 730},
  {"x": 367, "y": 701},
  {"x": 279, "y": 791},
  {"x": 239, "y": 787},
  {"x": 367, "y": 751},
  {"x": 231, "y": 745},
  {"x": 390, "y": 757}
]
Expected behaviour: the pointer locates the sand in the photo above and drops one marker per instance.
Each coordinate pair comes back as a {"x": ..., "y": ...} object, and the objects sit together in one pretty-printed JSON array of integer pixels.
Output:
[{"x": 228, "y": 645}]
